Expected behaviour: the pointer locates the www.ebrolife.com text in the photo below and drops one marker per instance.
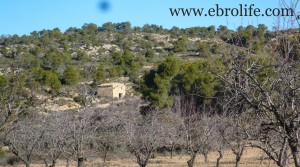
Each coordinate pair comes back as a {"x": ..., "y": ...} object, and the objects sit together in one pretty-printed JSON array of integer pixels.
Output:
[{"x": 240, "y": 10}]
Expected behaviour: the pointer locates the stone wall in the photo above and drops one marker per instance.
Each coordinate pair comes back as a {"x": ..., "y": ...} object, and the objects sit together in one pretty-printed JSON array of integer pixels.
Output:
[{"x": 112, "y": 90}]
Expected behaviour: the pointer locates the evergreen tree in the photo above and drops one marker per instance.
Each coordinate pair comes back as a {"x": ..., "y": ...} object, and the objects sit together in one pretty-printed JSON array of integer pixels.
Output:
[{"x": 71, "y": 76}]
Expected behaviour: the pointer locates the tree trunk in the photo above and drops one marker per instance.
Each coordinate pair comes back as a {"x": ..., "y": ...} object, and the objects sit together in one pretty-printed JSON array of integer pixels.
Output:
[
  {"x": 283, "y": 156},
  {"x": 46, "y": 163},
  {"x": 286, "y": 163},
  {"x": 105, "y": 156},
  {"x": 53, "y": 163},
  {"x": 172, "y": 149},
  {"x": 27, "y": 164},
  {"x": 205, "y": 157},
  {"x": 80, "y": 162},
  {"x": 294, "y": 150},
  {"x": 141, "y": 162},
  {"x": 68, "y": 162},
  {"x": 237, "y": 160},
  {"x": 191, "y": 162},
  {"x": 219, "y": 158}
]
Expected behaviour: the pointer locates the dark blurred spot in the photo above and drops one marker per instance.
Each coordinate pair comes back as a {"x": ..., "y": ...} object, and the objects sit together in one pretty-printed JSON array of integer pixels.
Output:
[{"x": 104, "y": 5}]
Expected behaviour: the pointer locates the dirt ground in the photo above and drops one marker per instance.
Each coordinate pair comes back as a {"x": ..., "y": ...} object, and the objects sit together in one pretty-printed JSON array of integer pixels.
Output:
[{"x": 251, "y": 158}]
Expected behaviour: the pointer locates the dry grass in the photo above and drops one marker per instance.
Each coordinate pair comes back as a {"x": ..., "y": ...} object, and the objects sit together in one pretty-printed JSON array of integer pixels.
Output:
[{"x": 251, "y": 158}]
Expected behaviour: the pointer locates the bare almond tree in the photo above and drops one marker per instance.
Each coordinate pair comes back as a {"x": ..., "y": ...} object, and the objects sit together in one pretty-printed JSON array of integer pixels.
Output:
[
  {"x": 142, "y": 136},
  {"x": 15, "y": 99},
  {"x": 237, "y": 134},
  {"x": 56, "y": 139},
  {"x": 24, "y": 138},
  {"x": 270, "y": 89},
  {"x": 218, "y": 140},
  {"x": 108, "y": 134},
  {"x": 198, "y": 129},
  {"x": 82, "y": 128},
  {"x": 274, "y": 145},
  {"x": 173, "y": 131}
]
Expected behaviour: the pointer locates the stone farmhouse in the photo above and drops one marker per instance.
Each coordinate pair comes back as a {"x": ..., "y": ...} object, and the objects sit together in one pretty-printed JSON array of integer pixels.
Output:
[{"x": 112, "y": 90}]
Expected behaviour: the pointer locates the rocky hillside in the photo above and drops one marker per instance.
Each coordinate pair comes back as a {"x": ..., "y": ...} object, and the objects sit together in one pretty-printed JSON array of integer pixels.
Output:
[{"x": 62, "y": 67}]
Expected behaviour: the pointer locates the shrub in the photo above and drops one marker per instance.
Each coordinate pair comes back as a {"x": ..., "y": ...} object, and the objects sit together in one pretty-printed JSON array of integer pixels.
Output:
[
  {"x": 80, "y": 100},
  {"x": 71, "y": 76},
  {"x": 12, "y": 160}
]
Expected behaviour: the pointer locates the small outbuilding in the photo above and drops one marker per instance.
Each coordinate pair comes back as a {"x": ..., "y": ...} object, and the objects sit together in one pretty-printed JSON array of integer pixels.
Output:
[{"x": 112, "y": 90}]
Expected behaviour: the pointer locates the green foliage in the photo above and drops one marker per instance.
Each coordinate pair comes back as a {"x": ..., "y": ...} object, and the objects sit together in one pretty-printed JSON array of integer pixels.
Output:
[
  {"x": 4, "y": 51},
  {"x": 15, "y": 94},
  {"x": 29, "y": 61},
  {"x": 191, "y": 79},
  {"x": 38, "y": 74},
  {"x": 215, "y": 48},
  {"x": 203, "y": 32},
  {"x": 156, "y": 84},
  {"x": 80, "y": 100},
  {"x": 152, "y": 28},
  {"x": 36, "y": 51},
  {"x": 3, "y": 82},
  {"x": 114, "y": 72},
  {"x": 90, "y": 29},
  {"x": 51, "y": 79},
  {"x": 47, "y": 78},
  {"x": 170, "y": 67},
  {"x": 261, "y": 35},
  {"x": 150, "y": 54},
  {"x": 55, "y": 59},
  {"x": 126, "y": 64},
  {"x": 161, "y": 95},
  {"x": 117, "y": 59},
  {"x": 128, "y": 59},
  {"x": 89, "y": 34},
  {"x": 203, "y": 49},
  {"x": 261, "y": 74},
  {"x": 109, "y": 27},
  {"x": 175, "y": 31},
  {"x": 71, "y": 76},
  {"x": 46, "y": 54},
  {"x": 257, "y": 47},
  {"x": 261, "y": 30},
  {"x": 211, "y": 31},
  {"x": 224, "y": 33},
  {"x": 180, "y": 45},
  {"x": 124, "y": 27},
  {"x": 80, "y": 55},
  {"x": 99, "y": 76},
  {"x": 145, "y": 44},
  {"x": 197, "y": 80},
  {"x": 250, "y": 35}
]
